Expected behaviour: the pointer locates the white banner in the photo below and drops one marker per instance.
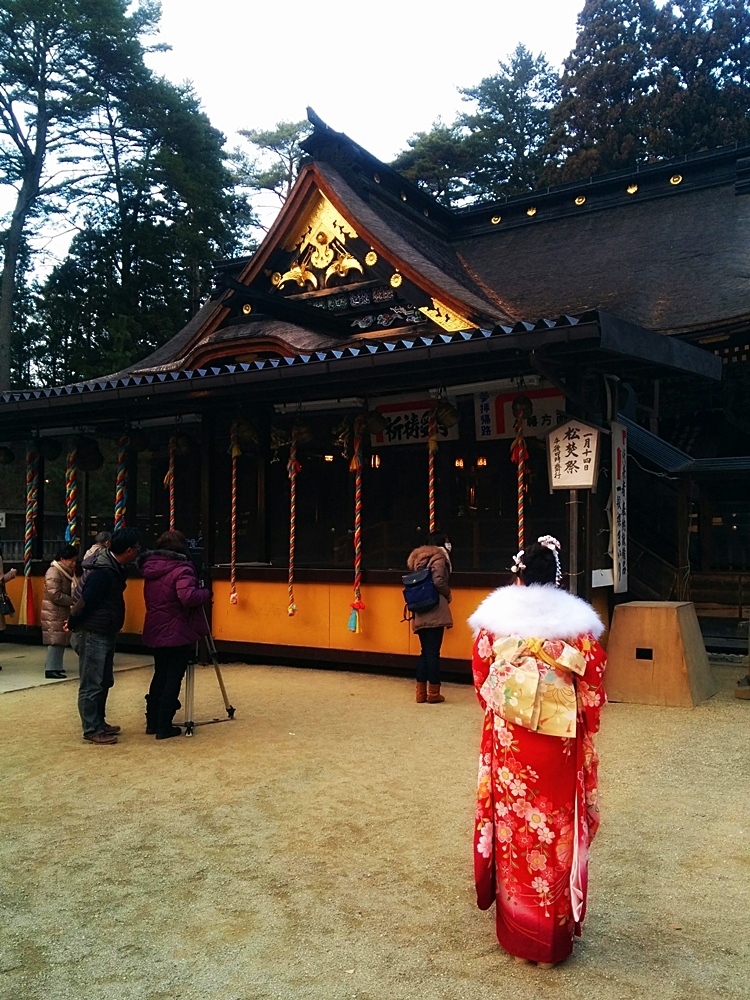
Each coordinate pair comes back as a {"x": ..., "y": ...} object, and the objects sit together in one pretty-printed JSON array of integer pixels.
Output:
[
  {"x": 620, "y": 507},
  {"x": 493, "y": 413},
  {"x": 407, "y": 422}
]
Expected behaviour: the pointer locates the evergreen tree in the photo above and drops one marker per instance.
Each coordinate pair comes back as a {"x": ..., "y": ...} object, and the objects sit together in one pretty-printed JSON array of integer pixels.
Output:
[
  {"x": 439, "y": 161},
  {"x": 277, "y": 160},
  {"x": 600, "y": 122},
  {"x": 509, "y": 129},
  {"x": 702, "y": 94},
  {"x": 57, "y": 59}
]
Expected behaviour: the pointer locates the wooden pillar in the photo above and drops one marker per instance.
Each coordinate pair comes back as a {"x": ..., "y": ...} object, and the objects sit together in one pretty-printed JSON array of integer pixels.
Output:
[
  {"x": 263, "y": 546},
  {"x": 207, "y": 518}
]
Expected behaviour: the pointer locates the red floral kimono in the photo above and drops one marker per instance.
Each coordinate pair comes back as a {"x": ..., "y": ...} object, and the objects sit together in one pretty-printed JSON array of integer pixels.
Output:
[{"x": 537, "y": 799}]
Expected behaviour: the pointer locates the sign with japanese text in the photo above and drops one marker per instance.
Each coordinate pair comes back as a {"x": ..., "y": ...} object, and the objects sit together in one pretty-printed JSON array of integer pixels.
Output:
[
  {"x": 573, "y": 456},
  {"x": 408, "y": 421},
  {"x": 620, "y": 507},
  {"x": 493, "y": 413}
]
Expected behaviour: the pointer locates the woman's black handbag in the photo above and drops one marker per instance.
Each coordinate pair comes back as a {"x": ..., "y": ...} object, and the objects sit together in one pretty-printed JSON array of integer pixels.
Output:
[
  {"x": 420, "y": 592},
  {"x": 6, "y": 605}
]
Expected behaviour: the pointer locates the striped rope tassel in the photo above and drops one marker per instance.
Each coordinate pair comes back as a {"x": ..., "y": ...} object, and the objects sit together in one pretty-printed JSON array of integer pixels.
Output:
[
  {"x": 355, "y": 466},
  {"x": 27, "y": 615},
  {"x": 169, "y": 480},
  {"x": 292, "y": 468},
  {"x": 121, "y": 482},
  {"x": 71, "y": 496},
  {"x": 432, "y": 447},
  {"x": 235, "y": 452},
  {"x": 519, "y": 454}
]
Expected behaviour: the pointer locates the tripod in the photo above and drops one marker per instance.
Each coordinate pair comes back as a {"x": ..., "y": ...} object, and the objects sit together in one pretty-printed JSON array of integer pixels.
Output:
[{"x": 190, "y": 685}]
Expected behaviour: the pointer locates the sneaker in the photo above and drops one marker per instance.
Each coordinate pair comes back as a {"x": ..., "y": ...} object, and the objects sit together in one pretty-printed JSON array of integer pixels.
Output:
[
  {"x": 111, "y": 730},
  {"x": 743, "y": 689},
  {"x": 100, "y": 738}
]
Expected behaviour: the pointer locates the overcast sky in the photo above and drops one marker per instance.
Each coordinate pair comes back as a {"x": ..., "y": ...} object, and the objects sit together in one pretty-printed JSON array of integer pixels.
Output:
[{"x": 378, "y": 71}]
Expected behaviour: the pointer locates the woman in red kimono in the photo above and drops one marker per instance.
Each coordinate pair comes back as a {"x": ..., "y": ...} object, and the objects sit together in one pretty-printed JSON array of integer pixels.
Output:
[{"x": 538, "y": 674}]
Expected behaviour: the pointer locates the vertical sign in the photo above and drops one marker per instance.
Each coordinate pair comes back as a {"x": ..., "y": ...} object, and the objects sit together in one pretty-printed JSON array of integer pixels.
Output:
[
  {"x": 620, "y": 507},
  {"x": 573, "y": 456}
]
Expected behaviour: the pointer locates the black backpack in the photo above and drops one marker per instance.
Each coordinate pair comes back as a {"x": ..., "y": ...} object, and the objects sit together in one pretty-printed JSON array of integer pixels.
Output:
[{"x": 420, "y": 593}]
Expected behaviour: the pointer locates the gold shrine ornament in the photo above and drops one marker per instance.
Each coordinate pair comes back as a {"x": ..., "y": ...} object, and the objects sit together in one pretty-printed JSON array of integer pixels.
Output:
[{"x": 450, "y": 321}]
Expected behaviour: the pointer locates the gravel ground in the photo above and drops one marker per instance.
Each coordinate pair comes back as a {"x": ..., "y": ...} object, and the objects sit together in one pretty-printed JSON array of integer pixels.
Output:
[{"x": 319, "y": 846}]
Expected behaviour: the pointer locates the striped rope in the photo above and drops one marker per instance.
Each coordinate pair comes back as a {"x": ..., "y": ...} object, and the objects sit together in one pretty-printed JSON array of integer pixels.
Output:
[
  {"x": 292, "y": 468},
  {"x": 169, "y": 480},
  {"x": 355, "y": 466},
  {"x": 234, "y": 450},
  {"x": 519, "y": 454},
  {"x": 121, "y": 482},
  {"x": 27, "y": 615},
  {"x": 432, "y": 447},
  {"x": 71, "y": 496}
]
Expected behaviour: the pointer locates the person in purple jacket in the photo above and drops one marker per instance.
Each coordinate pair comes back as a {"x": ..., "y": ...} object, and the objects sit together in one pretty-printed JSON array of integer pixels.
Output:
[{"x": 175, "y": 620}]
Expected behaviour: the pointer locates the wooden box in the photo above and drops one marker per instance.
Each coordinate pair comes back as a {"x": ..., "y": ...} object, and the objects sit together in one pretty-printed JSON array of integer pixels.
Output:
[{"x": 656, "y": 655}]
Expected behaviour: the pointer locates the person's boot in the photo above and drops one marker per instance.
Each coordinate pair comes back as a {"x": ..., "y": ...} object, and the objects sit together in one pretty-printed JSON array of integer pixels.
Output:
[
  {"x": 169, "y": 733},
  {"x": 421, "y": 691},
  {"x": 433, "y": 694},
  {"x": 152, "y": 714}
]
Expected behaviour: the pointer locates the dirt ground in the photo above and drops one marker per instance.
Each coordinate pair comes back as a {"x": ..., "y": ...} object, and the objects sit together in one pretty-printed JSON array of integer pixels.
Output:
[{"x": 319, "y": 846}]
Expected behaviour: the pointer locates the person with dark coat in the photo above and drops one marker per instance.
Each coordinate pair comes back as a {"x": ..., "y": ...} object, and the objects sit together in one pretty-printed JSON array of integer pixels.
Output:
[
  {"x": 431, "y": 625},
  {"x": 175, "y": 620},
  {"x": 97, "y": 616},
  {"x": 59, "y": 583}
]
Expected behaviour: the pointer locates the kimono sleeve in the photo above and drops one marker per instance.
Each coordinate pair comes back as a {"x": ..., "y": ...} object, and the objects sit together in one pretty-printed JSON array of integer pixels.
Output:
[
  {"x": 480, "y": 661},
  {"x": 590, "y": 687}
]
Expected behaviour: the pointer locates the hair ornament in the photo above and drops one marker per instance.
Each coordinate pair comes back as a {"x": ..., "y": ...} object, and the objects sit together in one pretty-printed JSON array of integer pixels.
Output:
[
  {"x": 551, "y": 543},
  {"x": 518, "y": 563}
]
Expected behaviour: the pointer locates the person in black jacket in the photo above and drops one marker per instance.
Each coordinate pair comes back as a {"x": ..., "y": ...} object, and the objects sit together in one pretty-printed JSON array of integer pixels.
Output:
[{"x": 97, "y": 616}]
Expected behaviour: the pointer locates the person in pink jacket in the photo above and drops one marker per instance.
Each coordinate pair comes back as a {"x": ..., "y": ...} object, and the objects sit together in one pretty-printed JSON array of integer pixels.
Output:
[{"x": 175, "y": 620}]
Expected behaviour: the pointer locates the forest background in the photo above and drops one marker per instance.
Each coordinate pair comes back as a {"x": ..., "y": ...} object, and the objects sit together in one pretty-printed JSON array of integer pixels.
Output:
[{"x": 96, "y": 143}]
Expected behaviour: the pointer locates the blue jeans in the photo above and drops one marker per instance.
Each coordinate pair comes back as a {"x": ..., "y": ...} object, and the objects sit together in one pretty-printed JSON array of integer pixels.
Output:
[
  {"x": 96, "y": 676},
  {"x": 428, "y": 664}
]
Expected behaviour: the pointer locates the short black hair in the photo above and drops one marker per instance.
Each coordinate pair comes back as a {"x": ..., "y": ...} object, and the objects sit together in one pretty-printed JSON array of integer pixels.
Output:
[
  {"x": 102, "y": 537},
  {"x": 123, "y": 539},
  {"x": 540, "y": 564},
  {"x": 67, "y": 552},
  {"x": 438, "y": 538}
]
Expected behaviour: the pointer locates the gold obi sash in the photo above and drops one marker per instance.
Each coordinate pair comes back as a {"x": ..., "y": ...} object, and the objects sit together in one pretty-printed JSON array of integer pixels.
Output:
[{"x": 530, "y": 683}]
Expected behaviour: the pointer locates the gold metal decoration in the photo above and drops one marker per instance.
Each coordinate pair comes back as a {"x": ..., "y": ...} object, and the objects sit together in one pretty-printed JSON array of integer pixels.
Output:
[
  {"x": 531, "y": 211},
  {"x": 496, "y": 219},
  {"x": 342, "y": 266},
  {"x": 275, "y": 279},
  {"x": 449, "y": 321},
  {"x": 581, "y": 199},
  {"x": 247, "y": 309},
  {"x": 403, "y": 196},
  {"x": 632, "y": 188},
  {"x": 396, "y": 280},
  {"x": 320, "y": 245},
  {"x": 675, "y": 179},
  {"x": 371, "y": 259}
]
